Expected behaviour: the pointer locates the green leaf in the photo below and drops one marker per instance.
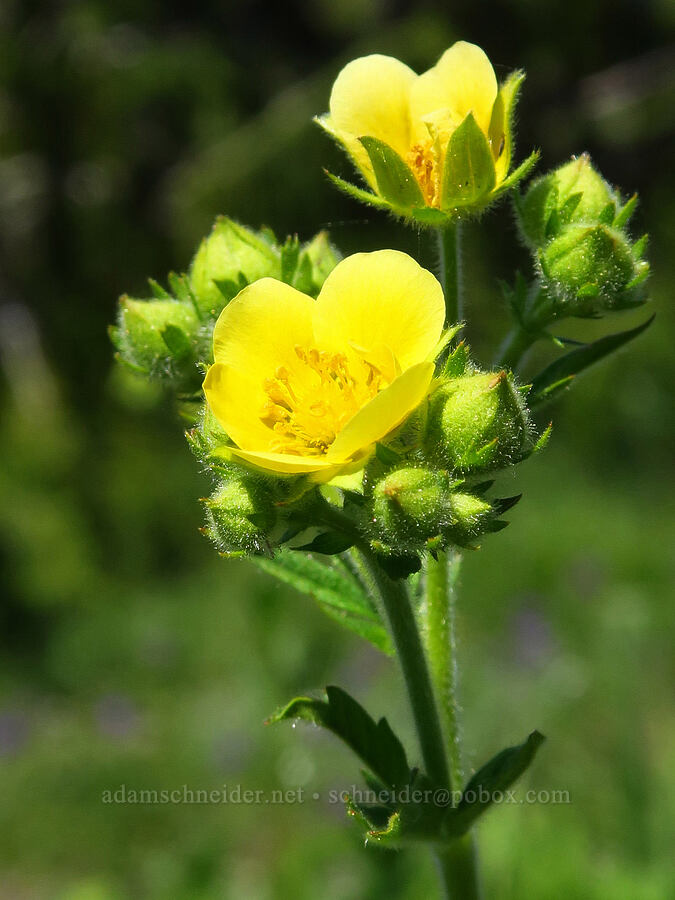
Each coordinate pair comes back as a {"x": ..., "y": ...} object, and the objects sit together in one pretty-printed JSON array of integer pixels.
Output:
[
  {"x": 336, "y": 591},
  {"x": 469, "y": 171},
  {"x": 358, "y": 193},
  {"x": 395, "y": 180},
  {"x": 374, "y": 743},
  {"x": 560, "y": 373},
  {"x": 492, "y": 779}
]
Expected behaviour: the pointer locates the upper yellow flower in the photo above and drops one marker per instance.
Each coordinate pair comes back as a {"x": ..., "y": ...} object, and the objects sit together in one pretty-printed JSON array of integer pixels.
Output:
[
  {"x": 303, "y": 385},
  {"x": 431, "y": 146}
]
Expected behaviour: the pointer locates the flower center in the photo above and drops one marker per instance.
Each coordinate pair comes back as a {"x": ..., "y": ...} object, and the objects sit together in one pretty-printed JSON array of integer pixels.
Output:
[
  {"x": 425, "y": 164},
  {"x": 310, "y": 403}
]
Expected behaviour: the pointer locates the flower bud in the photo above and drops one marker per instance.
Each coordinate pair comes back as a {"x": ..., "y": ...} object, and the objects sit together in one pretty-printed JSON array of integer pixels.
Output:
[
  {"x": 159, "y": 338},
  {"x": 240, "y": 516},
  {"x": 471, "y": 516},
  {"x": 477, "y": 422},
  {"x": 589, "y": 268},
  {"x": 227, "y": 260},
  {"x": 573, "y": 193},
  {"x": 410, "y": 505}
]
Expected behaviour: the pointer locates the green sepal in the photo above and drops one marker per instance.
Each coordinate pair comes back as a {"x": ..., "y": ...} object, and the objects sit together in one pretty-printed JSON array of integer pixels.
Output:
[
  {"x": 395, "y": 180},
  {"x": 446, "y": 338},
  {"x": 177, "y": 342},
  {"x": 501, "y": 123},
  {"x": 624, "y": 215},
  {"x": 357, "y": 193},
  {"x": 290, "y": 254},
  {"x": 328, "y": 543},
  {"x": 386, "y": 455},
  {"x": 469, "y": 170},
  {"x": 457, "y": 362},
  {"x": 560, "y": 373},
  {"x": 494, "y": 777},
  {"x": 520, "y": 172},
  {"x": 336, "y": 591},
  {"x": 374, "y": 743},
  {"x": 431, "y": 217},
  {"x": 396, "y": 565},
  {"x": 158, "y": 292}
]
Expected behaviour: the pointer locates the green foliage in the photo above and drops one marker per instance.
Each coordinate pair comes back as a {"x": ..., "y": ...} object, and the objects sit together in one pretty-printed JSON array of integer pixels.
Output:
[
  {"x": 559, "y": 375},
  {"x": 373, "y": 742},
  {"x": 336, "y": 590},
  {"x": 489, "y": 784}
]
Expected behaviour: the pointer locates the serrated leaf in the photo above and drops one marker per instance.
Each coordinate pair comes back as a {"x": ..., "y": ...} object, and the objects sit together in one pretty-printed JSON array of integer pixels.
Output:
[
  {"x": 358, "y": 193},
  {"x": 374, "y": 743},
  {"x": 469, "y": 170},
  {"x": 560, "y": 372},
  {"x": 336, "y": 591},
  {"x": 395, "y": 180},
  {"x": 492, "y": 779}
]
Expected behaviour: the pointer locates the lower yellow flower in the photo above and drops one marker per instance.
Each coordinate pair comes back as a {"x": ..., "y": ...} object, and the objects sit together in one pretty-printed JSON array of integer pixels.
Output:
[
  {"x": 303, "y": 385},
  {"x": 433, "y": 146}
]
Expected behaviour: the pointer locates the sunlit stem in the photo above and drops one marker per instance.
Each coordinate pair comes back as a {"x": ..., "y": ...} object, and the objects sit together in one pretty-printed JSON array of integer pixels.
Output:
[
  {"x": 439, "y": 621},
  {"x": 450, "y": 266}
]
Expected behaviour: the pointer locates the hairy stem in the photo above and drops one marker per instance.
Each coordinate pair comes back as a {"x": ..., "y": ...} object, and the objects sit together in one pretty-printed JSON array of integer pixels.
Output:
[
  {"x": 450, "y": 251},
  {"x": 439, "y": 620},
  {"x": 406, "y": 637}
]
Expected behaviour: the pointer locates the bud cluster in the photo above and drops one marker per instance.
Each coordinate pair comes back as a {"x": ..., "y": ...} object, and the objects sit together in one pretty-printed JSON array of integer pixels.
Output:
[
  {"x": 574, "y": 223},
  {"x": 168, "y": 336},
  {"x": 475, "y": 423}
]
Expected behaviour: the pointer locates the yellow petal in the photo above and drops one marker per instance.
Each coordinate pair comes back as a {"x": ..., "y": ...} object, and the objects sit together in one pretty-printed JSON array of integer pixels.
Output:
[
  {"x": 370, "y": 98},
  {"x": 261, "y": 327},
  {"x": 236, "y": 398},
  {"x": 383, "y": 413},
  {"x": 288, "y": 464},
  {"x": 462, "y": 81},
  {"x": 254, "y": 335},
  {"x": 385, "y": 298}
]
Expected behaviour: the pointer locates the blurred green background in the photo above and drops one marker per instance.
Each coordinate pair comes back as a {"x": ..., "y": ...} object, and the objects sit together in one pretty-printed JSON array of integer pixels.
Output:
[{"x": 131, "y": 654}]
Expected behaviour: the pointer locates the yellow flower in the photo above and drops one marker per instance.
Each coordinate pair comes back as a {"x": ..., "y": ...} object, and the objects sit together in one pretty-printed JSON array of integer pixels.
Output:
[
  {"x": 302, "y": 385},
  {"x": 431, "y": 146}
]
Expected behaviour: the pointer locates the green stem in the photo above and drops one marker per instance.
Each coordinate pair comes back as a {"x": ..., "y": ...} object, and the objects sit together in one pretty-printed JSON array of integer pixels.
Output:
[
  {"x": 441, "y": 577},
  {"x": 516, "y": 344},
  {"x": 457, "y": 864},
  {"x": 405, "y": 634},
  {"x": 450, "y": 250}
]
